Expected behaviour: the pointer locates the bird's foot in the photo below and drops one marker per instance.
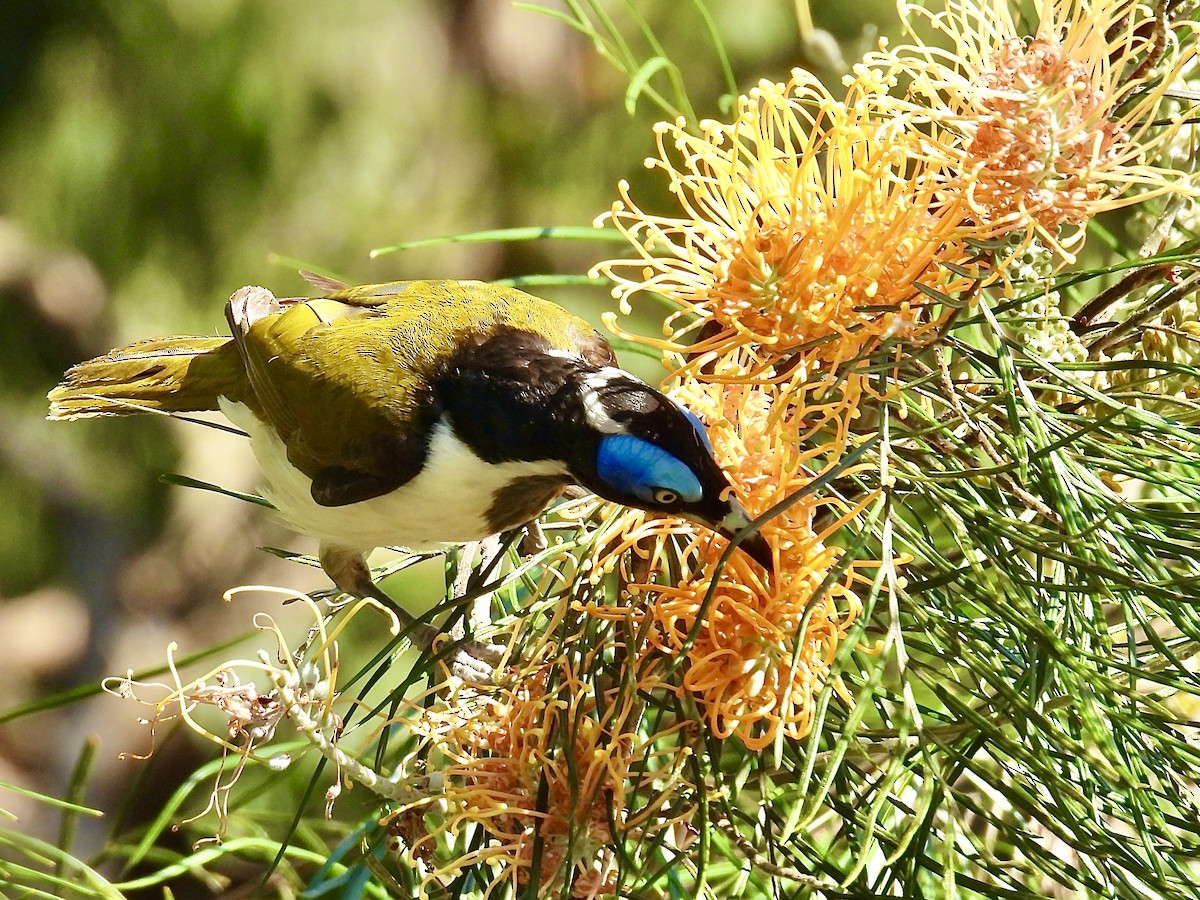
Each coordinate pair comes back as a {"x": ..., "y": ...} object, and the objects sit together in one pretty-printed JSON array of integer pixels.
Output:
[{"x": 470, "y": 660}]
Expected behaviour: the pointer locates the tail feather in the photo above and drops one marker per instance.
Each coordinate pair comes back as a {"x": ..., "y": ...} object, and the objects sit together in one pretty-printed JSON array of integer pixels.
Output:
[{"x": 174, "y": 374}]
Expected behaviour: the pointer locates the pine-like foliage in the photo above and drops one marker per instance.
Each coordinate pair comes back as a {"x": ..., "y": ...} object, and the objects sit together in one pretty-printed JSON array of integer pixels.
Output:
[{"x": 971, "y": 442}]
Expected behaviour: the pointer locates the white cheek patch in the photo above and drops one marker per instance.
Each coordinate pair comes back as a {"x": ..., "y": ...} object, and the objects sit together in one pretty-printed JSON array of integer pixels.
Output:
[
  {"x": 601, "y": 377},
  {"x": 593, "y": 407}
]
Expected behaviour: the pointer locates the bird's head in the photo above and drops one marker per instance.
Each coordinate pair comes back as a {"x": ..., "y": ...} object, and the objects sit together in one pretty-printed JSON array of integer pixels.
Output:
[
  {"x": 512, "y": 395},
  {"x": 644, "y": 450}
]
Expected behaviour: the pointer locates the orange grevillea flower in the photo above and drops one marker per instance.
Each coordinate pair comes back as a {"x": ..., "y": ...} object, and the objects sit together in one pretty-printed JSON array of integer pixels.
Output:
[
  {"x": 1042, "y": 131},
  {"x": 804, "y": 220},
  {"x": 759, "y": 650},
  {"x": 806, "y": 233}
]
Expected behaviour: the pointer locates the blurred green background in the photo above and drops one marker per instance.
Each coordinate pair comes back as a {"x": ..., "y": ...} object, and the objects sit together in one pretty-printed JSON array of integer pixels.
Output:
[{"x": 159, "y": 154}]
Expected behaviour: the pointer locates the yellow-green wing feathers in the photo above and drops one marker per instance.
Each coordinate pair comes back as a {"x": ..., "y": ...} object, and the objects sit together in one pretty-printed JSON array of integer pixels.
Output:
[
  {"x": 328, "y": 385},
  {"x": 377, "y": 346}
]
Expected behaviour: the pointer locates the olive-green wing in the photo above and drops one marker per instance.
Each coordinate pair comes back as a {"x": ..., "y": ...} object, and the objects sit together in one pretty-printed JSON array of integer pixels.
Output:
[
  {"x": 352, "y": 411},
  {"x": 346, "y": 379}
]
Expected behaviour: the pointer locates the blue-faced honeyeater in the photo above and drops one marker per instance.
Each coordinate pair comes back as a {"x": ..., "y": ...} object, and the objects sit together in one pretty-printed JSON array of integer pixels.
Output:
[{"x": 421, "y": 414}]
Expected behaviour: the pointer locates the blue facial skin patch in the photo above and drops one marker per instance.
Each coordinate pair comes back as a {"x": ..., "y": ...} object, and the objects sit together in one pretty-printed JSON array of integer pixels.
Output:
[{"x": 638, "y": 468}]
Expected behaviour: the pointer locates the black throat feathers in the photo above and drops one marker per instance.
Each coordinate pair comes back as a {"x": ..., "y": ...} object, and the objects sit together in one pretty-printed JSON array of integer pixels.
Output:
[{"x": 510, "y": 395}]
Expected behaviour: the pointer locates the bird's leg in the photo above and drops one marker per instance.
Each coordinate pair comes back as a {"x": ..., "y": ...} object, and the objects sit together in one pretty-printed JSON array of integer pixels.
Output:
[
  {"x": 462, "y": 573},
  {"x": 480, "y": 613},
  {"x": 350, "y": 573},
  {"x": 534, "y": 539}
]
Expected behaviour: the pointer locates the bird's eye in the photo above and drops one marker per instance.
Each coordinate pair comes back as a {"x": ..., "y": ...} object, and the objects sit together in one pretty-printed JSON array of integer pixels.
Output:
[{"x": 665, "y": 497}]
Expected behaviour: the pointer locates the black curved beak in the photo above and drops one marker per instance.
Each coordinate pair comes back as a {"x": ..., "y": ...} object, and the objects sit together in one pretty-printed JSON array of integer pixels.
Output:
[{"x": 753, "y": 544}]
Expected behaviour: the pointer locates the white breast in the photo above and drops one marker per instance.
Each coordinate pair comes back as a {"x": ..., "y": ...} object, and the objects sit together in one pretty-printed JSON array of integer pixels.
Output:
[{"x": 446, "y": 503}]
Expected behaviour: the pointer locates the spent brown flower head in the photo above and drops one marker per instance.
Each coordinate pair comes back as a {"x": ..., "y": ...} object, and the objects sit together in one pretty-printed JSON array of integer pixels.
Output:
[{"x": 295, "y": 688}]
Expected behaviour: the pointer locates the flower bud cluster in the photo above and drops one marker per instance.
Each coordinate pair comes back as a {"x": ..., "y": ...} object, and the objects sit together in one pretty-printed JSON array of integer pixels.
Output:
[
  {"x": 1174, "y": 338},
  {"x": 1037, "y": 322}
]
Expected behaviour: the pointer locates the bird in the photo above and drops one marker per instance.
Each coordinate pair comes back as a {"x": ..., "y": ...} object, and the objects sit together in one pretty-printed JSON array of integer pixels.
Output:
[{"x": 422, "y": 415}]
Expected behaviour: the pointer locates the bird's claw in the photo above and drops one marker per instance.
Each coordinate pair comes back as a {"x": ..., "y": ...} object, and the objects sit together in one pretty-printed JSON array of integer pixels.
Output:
[
  {"x": 467, "y": 668},
  {"x": 471, "y": 661}
]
